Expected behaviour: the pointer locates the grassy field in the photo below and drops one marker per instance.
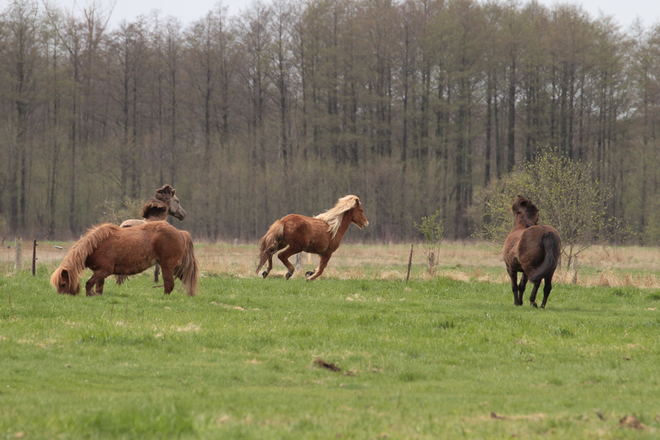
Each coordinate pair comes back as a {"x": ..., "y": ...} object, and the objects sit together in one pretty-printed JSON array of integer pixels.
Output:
[{"x": 438, "y": 357}]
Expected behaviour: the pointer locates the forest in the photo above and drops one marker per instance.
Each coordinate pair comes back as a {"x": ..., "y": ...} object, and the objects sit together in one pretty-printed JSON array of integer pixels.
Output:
[{"x": 413, "y": 105}]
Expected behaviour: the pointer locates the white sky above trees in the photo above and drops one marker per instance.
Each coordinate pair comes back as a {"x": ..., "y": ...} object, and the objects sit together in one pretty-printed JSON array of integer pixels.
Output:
[{"x": 624, "y": 12}]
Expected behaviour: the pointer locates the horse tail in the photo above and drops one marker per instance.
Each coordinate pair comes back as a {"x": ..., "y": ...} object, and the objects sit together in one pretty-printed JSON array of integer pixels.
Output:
[
  {"x": 552, "y": 246},
  {"x": 188, "y": 270},
  {"x": 269, "y": 243},
  {"x": 66, "y": 278}
]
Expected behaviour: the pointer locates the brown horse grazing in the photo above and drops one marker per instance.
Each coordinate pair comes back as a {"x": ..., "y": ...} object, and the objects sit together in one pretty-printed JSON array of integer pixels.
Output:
[
  {"x": 109, "y": 249},
  {"x": 320, "y": 235},
  {"x": 531, "y": 249},
  {"x": 162, "y": 204}
]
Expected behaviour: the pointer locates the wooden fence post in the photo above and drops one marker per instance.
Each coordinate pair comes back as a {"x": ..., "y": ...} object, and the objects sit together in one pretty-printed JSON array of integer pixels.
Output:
[
  {"x": 34, "y": 257},
  {"x": 409, "y": 263},
  {"x": 18, "y": 257}
]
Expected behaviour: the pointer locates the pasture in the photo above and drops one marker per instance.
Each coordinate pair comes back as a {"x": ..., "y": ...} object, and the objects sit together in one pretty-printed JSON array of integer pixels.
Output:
[{"x": 437, "y": 357}]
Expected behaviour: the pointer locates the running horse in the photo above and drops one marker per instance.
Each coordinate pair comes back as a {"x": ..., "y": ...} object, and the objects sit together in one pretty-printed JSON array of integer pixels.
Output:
[
  {"x": 163, "y": 203},
  {"x": 531, "y": 249},
  {"x": 110, "y": 250},
  {"x": 320, "y": 235}
]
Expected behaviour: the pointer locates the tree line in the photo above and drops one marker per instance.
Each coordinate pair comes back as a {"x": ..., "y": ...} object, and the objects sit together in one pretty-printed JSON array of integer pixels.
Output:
[{"x": 411, "y": 105}]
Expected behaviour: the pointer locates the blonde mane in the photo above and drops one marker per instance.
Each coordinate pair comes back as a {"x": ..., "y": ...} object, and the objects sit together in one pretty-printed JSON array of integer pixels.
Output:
[
  {"x": 74, "y": 260},
  {"x": 333, "y": 216}
]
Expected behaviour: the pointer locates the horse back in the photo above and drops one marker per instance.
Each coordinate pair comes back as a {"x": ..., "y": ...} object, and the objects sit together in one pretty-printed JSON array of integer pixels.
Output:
[{"x": 310, "y": 233}]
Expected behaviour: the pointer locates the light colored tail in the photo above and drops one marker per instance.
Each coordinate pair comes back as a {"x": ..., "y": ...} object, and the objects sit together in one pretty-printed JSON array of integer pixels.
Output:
[
  {"x": 269, "y": 243},
  {"x": 188, "y": 270}
]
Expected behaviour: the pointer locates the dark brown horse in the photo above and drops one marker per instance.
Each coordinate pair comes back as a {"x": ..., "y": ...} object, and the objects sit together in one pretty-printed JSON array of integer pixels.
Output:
[
  {"x": 531, "y": 249},
  {"x": 163, "y": 203},
  {"x": 109, "y": 249},
  {"x": 320, "y": 235}
]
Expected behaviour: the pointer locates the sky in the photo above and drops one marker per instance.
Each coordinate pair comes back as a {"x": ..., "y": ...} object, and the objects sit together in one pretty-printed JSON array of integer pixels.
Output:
[{"x": 623, "y": 11}]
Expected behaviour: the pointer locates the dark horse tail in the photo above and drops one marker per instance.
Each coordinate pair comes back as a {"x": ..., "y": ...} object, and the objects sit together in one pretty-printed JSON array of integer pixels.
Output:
[
  {"x": 188, "y": 270},
  {"x": 552, "y": 246},
  {"x": 269, "y": 243}
]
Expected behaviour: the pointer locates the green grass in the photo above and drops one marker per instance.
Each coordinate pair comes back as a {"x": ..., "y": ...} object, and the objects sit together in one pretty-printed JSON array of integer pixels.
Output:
[{"x": 423, "y": 360}]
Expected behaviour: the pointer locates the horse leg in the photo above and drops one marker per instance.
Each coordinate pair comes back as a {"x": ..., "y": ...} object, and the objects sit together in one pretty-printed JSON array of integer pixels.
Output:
[
  {"x": 547, "y": 287},
  {"x": 318, "y": 271},
  {"x": 97, "y": 279},
  {"x": 514, "y": 285},
  {"x": 269, "y": 267},
  {"x": 532, "y": 297},
  {"x": 168, "y": 280},
  {"x": 521, "y": 287},
  {"x": 99, "y": 286},
  {"x": 284, "y": 258}
]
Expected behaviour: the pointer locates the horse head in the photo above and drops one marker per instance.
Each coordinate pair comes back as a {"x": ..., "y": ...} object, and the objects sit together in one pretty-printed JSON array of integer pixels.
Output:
[
  {"x": 524, "y": 211},
  {"x": 64, "y": 283},
  {"x": 163, "y": 203},
  {"x": 358, "y": 217}
]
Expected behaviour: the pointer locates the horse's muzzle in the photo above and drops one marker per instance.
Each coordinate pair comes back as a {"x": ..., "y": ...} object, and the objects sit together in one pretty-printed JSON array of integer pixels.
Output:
[{"x": 180, "y": 214}]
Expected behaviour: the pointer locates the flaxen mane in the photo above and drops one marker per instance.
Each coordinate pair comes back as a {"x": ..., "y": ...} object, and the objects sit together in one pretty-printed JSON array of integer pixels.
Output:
[
  {"x": 74, "y": 261},
  {"x": 333, "y": 216}
]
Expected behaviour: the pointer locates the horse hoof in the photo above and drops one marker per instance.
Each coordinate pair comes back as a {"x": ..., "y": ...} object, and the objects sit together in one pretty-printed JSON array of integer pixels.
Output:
[
  {"x": 533, "y": 304},
  {"x": 264, "y": 273},
  {"x": 309, "y": 273},
  {"x": 288, "y": 275}
]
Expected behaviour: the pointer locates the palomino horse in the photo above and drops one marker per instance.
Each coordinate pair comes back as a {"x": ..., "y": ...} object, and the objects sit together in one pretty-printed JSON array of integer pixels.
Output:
[
  {"x": 109, "y": 249},
  {"x": 531, "y": 249},
  {"x": 162, "y": 204},
  {"x": 320, "y": 235}
]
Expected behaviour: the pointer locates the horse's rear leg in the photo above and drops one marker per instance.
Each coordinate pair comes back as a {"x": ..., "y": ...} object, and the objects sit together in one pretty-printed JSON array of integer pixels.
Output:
[
  {"x": 311, "y": 276},
  {"x": 532, "y": 297},
  {"x": 269, "y": 266},
  {"x": 521, "y": 287},
  {"x": 547, "y": 287},
  {"x": 284, "y": 258}
]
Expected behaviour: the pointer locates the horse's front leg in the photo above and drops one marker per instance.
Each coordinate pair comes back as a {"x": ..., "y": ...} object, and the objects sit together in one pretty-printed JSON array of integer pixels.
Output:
[
  {"x": 168, "y": 279},
  {"x": 318, "y": 271},
  {"x": 97, "y": 279},
  {"x": 99, "y": 286},
  {"x": 514, "y": 285}
]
